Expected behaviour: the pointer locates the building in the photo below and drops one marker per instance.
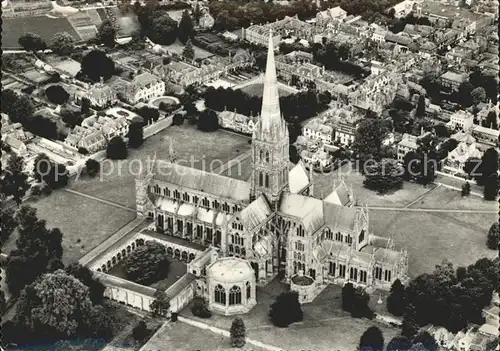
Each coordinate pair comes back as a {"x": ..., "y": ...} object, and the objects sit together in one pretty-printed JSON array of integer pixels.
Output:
[
  {"x": 451, "y": 80},
  {"x": 288, "y": 26},
  {"x": 461, "y": 120},
  {"x": 272, "y": 223},
  {"x": 457, "y": 158},
  {"x": 345, "y": 123},
  {"x": 409, "y": 143},
  {"x": 100, "y": 96},
  {"x": 206, "y": 20},
  {"x": 486, "y": 135},
  {"x": 237, "y": 122},
  {"x": 315, "y": 129},
  {"x": 144, "y": 87},
  {"x": 335, "y": 13}
]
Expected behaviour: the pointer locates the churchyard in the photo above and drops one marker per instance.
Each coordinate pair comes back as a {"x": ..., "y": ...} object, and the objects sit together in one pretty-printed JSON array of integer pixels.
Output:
[{"x": 324, "y": 323}]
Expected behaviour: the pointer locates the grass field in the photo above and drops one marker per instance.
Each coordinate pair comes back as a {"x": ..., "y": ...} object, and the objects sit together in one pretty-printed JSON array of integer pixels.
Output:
[
  {"x": 178, "y": 47},
  {"x": 257, "y": 89},
  {"x": 433, "y": 237},
  {"x": 13, "y": 28},
  {"x": 324, "y": 327},
  {"x": 85, "y": 223},
  {"x": 191, "y": 146}
]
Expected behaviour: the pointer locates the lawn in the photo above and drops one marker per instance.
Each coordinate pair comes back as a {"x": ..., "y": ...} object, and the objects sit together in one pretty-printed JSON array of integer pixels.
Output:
[
  {"x": 191, "y": 146},
  {"x": 324, "y": 327},
  {"x": 85, "y": 223},
  {"x": 178, "y": 47},
  {"x": 177, "y": 269},
  {"x": 433, "y": 237},
  {"x": 241, "y": 170},
  {"x": 257, "y": 90},
  {"x": 13, "y": 28},
  {"x": 184, "y": 337}
]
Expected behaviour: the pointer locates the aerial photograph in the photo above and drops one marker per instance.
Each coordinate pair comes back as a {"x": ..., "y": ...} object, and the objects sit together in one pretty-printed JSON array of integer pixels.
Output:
[{"x": 250, "y": 175}]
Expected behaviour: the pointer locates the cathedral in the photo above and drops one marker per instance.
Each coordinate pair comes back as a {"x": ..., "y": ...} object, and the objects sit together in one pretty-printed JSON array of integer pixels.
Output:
[{"x": 272, "y": 222}]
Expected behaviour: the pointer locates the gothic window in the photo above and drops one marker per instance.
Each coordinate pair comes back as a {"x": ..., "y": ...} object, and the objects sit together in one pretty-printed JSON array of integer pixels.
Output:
[
  {"x": 185, "y": 197},
  {"x": 232, "y": 239},
  {"x": 166, "y": 192},
  {"x": 267, "y": 181},
  {"x": 261, "y": 179},
  {"x": 217, "y": 238},
  {"x": 299, "y": 256},
  {"x": 177, "y": 194},
  {"x": 195, "y": 199},
  {"x": 261, "y": 155},
  {"x": 300, "y": 231},
  {"x": 235, "y": 296},
  {"x": 243, "y": 252},
  {"x": 225, "y": 207},
  {"x": 209, "y": 234},
  {"x": 267, "y": 156},
  {"x": 353, "y": 273},
  {"x": 249, "y": 290},
  {"x": 378, "y": 273},
  {"x": 220, "y": 294},
  {"x": 237, "y": 250},
  {"x": 205, "y": 202},
  {"x": 300, "y": 246},
  {"x": 362, "y": 276},
  {"x": 230, "y": 247},
  {"x": 331, "y": 269},
  {"x": 329, "y": 234},
  {"x": 349, "y": 239},
  {"x": 240, "y": 226},
  {"x": 387, "y": 276},
  {"x": 156, "y": 189},
  {"x": 235, "y": 208},
  {"x": 338, "y": 236},
  {"x": 361, "y": 236},
  {"x": 342, "y": 270}
]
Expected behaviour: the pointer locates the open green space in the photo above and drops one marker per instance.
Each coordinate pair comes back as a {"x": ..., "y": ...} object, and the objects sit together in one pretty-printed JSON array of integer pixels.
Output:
[
  {"x": 192, "y": 147},
  {"x": 177, "y": 47},
  {"x": 45, "y": 27},
  {"x": 258, "y": 88},
  {"x": 431, "y": 237},
  {"x": 84, "y": 222},
  {"x": 324, "y": 327}
]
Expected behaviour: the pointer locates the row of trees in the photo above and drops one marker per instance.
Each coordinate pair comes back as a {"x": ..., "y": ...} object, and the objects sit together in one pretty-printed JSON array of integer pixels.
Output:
[
  {"x": 447, "y": 297},
  {"x": 373, "y": 340}
]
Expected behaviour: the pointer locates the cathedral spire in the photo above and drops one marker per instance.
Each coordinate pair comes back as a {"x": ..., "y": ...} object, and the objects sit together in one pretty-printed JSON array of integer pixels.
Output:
[{"x": 270, "y": 113}]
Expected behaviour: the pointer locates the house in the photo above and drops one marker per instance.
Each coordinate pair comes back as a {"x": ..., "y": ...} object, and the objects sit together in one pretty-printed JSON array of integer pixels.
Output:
[
  {"x": 237, "y": 122},
  {"x": 335, "y": 13},
  {"x": 16, "y": 145},
  {"x": 144, "y": 87},
  {"x": 315, "y": 129},
  {"x": 117, "y": 127},
  {"x": 206, "y": 20},
  {"x": 462, "y": 120},
  {"x": 320, "y": 159},
  {"x": 451, "y": 80},
  {"x": 93, "y": 142},
  {"x": 100, "y": 96},
  {"x": 486, "y": 135},
  {"x": 465, "y": 150}
]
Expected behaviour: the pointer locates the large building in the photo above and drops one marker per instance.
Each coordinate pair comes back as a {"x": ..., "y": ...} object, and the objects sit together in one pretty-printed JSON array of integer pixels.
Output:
[{"x": 272, "y": 221}]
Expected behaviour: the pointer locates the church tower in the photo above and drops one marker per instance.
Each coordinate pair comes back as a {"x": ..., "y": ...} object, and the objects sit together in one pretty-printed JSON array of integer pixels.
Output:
[{"x": 270, "y": 139}]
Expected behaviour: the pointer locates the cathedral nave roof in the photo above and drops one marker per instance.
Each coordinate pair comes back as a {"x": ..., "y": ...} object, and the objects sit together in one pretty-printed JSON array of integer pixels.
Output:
[
  {"x": 255, "y": 213},
  {"x": 308, "y": 209},
  {"x": 297, "y": 178},
  {"x": 209, "y": 183}
]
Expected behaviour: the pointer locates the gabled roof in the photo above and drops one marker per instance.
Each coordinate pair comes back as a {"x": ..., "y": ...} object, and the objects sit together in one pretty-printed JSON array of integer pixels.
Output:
[
  {"x": 308, "y": 209},
  {"x": 199, "y": 180},
  {"x": 255, "y": 213},
  {"x": 297, "y": 178}
]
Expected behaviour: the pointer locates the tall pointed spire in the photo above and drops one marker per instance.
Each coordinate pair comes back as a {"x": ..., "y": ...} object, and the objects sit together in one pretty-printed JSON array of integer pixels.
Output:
[{"x": 270, "y": 113}]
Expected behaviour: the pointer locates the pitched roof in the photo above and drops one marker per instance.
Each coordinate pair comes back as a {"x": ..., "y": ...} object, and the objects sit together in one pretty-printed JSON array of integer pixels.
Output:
[
  {"x": 297, "y": 178},
  {"x": 255, "y": 213},
  {"x": 308, "y": 209},
  {"x": 207, "y": 182}
]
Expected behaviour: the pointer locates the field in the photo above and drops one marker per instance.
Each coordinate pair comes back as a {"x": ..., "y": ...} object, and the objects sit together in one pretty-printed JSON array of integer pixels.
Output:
[
  {"x": 13, "y": 28},
  {"x": 177, "y": 47},
  {"x": 191, "y": 146},
  {"x": 257, "y": 89},
  {"x": 84, "y": 222},
  {"x": 324, "y": 327}
]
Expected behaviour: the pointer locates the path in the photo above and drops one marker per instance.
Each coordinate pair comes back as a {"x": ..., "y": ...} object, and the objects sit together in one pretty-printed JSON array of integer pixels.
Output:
[
  {"x": 422, "y": 196},
  {"x": 114, "y": 204},
  {"x": 430, "y": 210}
]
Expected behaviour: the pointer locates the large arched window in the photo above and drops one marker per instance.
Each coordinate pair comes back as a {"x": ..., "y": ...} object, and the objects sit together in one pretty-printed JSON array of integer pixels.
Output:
[
  {"x": 267, "y": 181},
  {"x": 235, "y": 295},
  {"x": 220, "y": 294},
  {"x": 249, "y": 290},
  {"x": 361, "y": 236},
  {"x": 267, "y": 156},
  {"x": 261, "y": 179}
]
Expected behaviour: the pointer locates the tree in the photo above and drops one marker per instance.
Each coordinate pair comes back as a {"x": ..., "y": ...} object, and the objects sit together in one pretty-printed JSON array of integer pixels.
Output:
[
  {"x": 7, "y": 223},
  {"x": 186, "y": 27},
  {"x": 117, "y": 149},
  {"x": 135, "y": 135},
  {"x": 384, "y": 176},
  {"x": 427, "y": 340},
  {"x": 200, "y": 308},
  {"x": 140, "y": 331},
  {"x": 188, "y": 51},
  {"x": 466, "y": 189},
  {"x": 208, "y": 121},
  {"x": 347, "y": 297},
  {"x": 488, "y": 166},
  {"x": 21, "y": 109},
  {"x": 491, "y": 120},
  {"x": 53, "y": 174},
  {"x": 97, "y": 64},
  {"x": 493, "y": 236},
  {"x": 15, "y": 181},
  {"x": 178, "y": 119},
  {"x": 409, "y": 327},
  {"x": 57, "y": 94},
  {"x": 106, "y": 34},
  {"x": 32, "y": 42},
  {"x": 490, "y": 187},
  {"x": 9, "y": 97},
  {"x": 38, "y": 250},
  {"x": 396, "y": 300},
  {"x": 92, "y": 167},
  {"x": 471, "y": 167},
  {"x": 464, "y": 94},
  {"x": 71, "y": 117},
  {"x": 420, "y": 111},
  {"x": 160, "y": 305},
  {"x": 478, "y": 95},
  {"x": 286, "y": 309},
  {"x": 161, "y": 28},
  {"x": 148, "y": 264},
  {"x": 84, "y": 275},
  {"x": 85, "y": 106},
  {"x": 399, "y": 343},
  {"x": 360, "y": 308},
  {"x": 368, "y": 140},
  {"x": 371, "y": 340},
  {"x": 62, "y": 44},
  {"x": 237, "y": 332}
]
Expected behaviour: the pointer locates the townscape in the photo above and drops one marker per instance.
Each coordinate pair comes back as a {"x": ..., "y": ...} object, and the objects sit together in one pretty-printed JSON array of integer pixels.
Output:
[{"x": 250, "y": 175}]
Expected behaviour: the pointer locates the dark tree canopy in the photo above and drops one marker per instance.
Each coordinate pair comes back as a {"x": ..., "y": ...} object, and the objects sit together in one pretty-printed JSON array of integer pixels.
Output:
[
  {"x": 161, "y": 304},
  {"x": 399, "y": 343},
  {"x": 106, "y": 34},
  {"x": 188, "y": 51},
  {"x": 53, "y": 174},
  {"x": 84, "y": 275},
  {"x": 148, "y": 264},
  {"x": 384, "y": 176},
  {"x": 117, "y": 149},
  {"x": 371, "y": 340},
  {"x": 135, "y": 135},
  {"x": 186, "y": 27},
  {"x": 427, "y": 340},
  {"x": 368, "y": 140},
  {"x": 57, "y": 94},
  {"x": 32, "y": 42},
  {"x": 493, "y": 236},
  {"x": 286, "y": 309},
  {"x": 208, "y": 121},
  {"x": 237, "y": 332},
  {"x": 97, "y": 64},
  {"x": 396, "y": 300},
  {"x": 14, "y": 182},
  {"x": 62, "y": 44}
]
